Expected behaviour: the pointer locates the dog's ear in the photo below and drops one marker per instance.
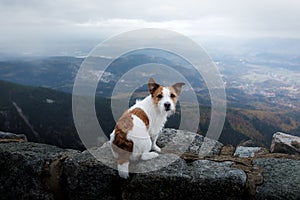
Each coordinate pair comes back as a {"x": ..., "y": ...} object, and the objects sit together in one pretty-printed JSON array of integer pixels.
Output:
[
  {"x": 152, "y": 86},
  {"x": 177, "y": 87}
]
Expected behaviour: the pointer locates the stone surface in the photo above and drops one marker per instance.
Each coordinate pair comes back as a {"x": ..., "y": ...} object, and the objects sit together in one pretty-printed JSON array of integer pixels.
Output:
[
  {"x": 281, "y": 179},
  {"x": 164, "y": 163},
  {"x": 180, "y": 142},
  {"x": 246, "y": 152},
  {"x": 11, "y": 137},
  {"x": 88, "y": 178},
  {"x": 23, "y": 173},
  {"x": 227, "y": 150},
  {"x": 39, "y": 171},
  {"x": 285, "y": 143},
  {"x": 201, "y": 179}
]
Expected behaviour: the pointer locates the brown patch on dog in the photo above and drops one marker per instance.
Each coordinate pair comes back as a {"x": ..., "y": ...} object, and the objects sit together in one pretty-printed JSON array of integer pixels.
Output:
[
  {"x": 121, "y": 145},
  {"x": 157, "y": 95},
  {"x": 152, "y": 86},
  {"x": 142, "y": 115},
  {"x": 173, "y": 95}
]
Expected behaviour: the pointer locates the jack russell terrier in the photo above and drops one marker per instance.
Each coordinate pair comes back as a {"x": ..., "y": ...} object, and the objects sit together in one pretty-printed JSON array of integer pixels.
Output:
[{"x": 137, "y": 130}]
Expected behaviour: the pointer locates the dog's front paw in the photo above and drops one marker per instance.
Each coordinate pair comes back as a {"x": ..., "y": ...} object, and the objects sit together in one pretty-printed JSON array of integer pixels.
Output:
[
  {"x": 149, "y": 155},
  {"x": 156, "y": 148}
]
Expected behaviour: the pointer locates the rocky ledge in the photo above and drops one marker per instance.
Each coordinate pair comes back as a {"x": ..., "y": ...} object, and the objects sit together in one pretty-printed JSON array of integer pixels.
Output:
[{"x": 39, "y": 171}]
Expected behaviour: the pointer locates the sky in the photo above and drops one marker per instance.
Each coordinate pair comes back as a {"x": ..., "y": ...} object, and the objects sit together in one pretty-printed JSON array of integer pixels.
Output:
[{"x": 62, "y": 27}]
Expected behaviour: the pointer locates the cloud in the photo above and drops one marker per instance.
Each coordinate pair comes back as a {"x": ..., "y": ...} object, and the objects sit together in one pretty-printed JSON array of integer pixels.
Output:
[
  {"x": 206, "y": 25},
  {"x": 40, "y": 23}
]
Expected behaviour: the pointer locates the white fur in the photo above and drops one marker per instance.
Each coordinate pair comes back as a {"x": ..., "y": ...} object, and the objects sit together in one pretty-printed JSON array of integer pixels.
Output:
[
  {"x": 140, "y": 138},
  {"x": 123, "y": 170},
  {"x": 144, "y": 140},
  {"x": 166, "y": 99}
]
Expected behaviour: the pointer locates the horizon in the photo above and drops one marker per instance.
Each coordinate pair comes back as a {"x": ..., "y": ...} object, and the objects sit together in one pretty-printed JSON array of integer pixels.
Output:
[
  {"x": 65, "y": 28},
  {"x": 215, "y": 48}
]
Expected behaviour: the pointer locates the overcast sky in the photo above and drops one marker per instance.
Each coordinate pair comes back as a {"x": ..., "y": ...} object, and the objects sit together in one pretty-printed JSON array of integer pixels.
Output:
[{"x": 60, "y": 26}]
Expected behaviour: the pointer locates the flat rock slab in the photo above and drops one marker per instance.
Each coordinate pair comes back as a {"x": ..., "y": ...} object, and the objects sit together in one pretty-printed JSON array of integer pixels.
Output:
[
  {"x": 281, "y": 179},
  {"x": 180, "y": 142},
  {"x": 201, "y": 179},
  {"x": 173, "y": 178}
]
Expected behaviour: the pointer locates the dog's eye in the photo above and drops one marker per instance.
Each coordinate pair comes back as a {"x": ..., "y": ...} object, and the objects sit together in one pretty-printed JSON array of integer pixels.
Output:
[
  {"x": 159, "y": 96},
  {"x": 173, "y": 95}
]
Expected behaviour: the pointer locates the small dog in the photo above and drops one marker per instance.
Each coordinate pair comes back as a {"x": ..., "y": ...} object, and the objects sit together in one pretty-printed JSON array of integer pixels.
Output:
[{"x": 137, "y": 130}]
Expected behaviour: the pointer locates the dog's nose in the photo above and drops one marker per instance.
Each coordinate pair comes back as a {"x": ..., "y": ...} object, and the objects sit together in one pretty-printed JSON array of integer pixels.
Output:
[{"x": 167, "y": 106}]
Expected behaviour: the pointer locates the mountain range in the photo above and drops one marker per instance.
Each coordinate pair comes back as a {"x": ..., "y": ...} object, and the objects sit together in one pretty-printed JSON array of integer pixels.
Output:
[
  {"x": 36, "y": 100},
  {"x": 45, "y": 115}
]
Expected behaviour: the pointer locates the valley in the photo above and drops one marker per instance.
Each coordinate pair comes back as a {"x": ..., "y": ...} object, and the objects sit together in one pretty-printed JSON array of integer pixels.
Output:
[{"x": 262, "y": 97}]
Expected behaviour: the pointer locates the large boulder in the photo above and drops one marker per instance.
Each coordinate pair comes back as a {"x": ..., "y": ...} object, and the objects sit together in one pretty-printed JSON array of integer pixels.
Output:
[
  {"x": 281, "y": 178},
  {"x": 200, "y": 179},
  {"x": 89, "y": 178},
  {"x": 285, "y": 143},
  {"x": 31, "y": 171},
  {"x": 39, "y": 171},
  {"x": 92, "y": 175},
  {"x": 184, "y": 142}
]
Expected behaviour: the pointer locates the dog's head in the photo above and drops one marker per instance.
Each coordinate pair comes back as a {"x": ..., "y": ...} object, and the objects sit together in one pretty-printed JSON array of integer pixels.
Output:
[{"x": 165, "y": 98}]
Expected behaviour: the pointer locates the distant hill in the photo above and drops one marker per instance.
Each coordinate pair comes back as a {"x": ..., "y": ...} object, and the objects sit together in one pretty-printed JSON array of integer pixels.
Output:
[
  {"x": 52, "y": 72},
  {"x": 259, "y": 125},
  {"x": 249, "y": 84},
  {"x": 256, "y": 109},
  {"x": 45, "y": 115},
  {"x": 59, "y": 72}
]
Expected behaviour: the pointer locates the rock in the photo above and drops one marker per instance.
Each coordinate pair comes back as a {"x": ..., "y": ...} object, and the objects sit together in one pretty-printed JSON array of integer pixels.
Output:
[
  {"x": 173, "y": 178},
  {"x": 246, "y": 152},
  {"x": 159, "y": 184},
  {"x": 201, "y": 179},
  {"x": 11, "y": 137},
  {"x": 285, "y": 143},
  {"x": 295, "y": 144},
  {"x": 184, "y": 142},
  {"x": 88, "y": 178},
  {"x": 24, "y": 173},
  {"x": 227, "y": 150},
  {"x": 165, "y": 163},
  {"x": 40, "y": 171},
  {"x": 281, "y": 178}
]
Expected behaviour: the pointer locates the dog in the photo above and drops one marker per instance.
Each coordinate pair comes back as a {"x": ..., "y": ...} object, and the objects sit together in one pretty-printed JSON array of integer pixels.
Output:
[{"x": 136, "y": 132}]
